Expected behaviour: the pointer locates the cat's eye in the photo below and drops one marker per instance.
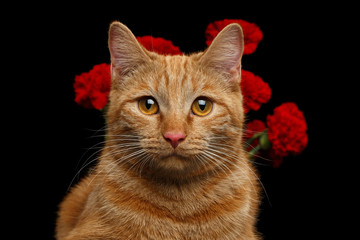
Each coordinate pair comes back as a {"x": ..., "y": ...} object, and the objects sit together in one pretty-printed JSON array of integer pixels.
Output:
[
  {"x": 148, "y": 105},
  {"x": 201, "y": 106}
]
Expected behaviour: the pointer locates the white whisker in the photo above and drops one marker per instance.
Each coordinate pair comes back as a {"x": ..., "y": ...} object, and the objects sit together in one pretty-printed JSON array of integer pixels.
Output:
[
  {"x": 118, "y": 162},
  {"x": 236, "y": 158}
]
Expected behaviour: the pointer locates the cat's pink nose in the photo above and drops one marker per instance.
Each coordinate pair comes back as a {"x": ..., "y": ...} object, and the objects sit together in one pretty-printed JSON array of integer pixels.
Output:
[{"x": 174, "y": 138}]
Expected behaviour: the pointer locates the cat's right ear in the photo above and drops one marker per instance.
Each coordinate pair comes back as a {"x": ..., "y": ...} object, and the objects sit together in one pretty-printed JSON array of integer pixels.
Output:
[{"x": 126, "y": 52}]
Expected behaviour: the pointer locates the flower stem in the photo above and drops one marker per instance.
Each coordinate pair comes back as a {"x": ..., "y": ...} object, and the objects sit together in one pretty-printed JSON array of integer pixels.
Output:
[
  {"x": 255, "y": 136},
  {"x": 252, "y": 153}
]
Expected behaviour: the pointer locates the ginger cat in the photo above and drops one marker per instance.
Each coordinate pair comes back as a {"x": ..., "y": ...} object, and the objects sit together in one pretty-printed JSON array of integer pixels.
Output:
[{"x": 173, "y": 165}]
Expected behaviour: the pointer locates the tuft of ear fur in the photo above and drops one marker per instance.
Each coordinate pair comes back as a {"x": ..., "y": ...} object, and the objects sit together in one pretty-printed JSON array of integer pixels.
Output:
[
  {"x": 225, "y": 52},
  {"x": 126, "y": 52}
]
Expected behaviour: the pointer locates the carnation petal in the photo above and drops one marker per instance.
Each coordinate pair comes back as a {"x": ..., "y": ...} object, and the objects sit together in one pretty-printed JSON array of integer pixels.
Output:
[
  {"x": 287, "y": 130},
  {"x": 159, "y": 45},
  {"x": 252, "y": 33},
  {"x": 255, "y": 91},
  {"x": 92, "y": 88}
]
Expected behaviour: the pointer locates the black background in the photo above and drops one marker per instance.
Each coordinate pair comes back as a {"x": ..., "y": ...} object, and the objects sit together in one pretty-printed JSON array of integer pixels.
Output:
[{"x": 51, "y": 133}]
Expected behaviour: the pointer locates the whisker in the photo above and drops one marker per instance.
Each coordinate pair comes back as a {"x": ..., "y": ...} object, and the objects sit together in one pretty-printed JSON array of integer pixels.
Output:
[
  {"x": 138, "y": 161},
  {"x": 117, "y": 135},
  {"x": 257, "y": 155},
  {"x": 236, "y": 166},
  {"x": 95, "y": 146},
  {"x": 117, "y": 150},
  {"x": 236, "y": 158},
  {"x": 118, "y": 162},
  {"x": 203, "y": 163},
  {"x": 229, "y": 146},
  {"x": 211, "y": 157},
  {"x": 144, "y": 162}
]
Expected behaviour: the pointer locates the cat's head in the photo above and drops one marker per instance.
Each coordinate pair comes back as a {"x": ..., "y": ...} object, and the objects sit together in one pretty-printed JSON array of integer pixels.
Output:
[{"x": 177, "y": 114}]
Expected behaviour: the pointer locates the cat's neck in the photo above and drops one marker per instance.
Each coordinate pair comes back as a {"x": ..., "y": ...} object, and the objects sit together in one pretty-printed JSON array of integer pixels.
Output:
[{"x": 171, "y": 186}]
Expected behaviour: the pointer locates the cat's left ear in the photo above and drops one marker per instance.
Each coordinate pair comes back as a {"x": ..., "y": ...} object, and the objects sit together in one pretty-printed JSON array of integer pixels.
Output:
[{"x": 225, "y": 52}]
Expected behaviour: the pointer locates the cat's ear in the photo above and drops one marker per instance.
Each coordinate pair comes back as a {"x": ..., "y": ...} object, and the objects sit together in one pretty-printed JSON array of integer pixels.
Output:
[
  {"x": 225, "y": 52},
  {"x": 126, "y": 52}
]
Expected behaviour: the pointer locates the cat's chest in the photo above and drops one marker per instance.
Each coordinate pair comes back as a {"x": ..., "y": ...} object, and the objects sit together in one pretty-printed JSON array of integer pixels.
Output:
[
  {"x": 153, "y": 217},
  {"x": 157, "y": 225}
]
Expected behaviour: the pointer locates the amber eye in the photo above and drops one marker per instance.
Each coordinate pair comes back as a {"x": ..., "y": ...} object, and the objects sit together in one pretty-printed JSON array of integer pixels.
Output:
[
  {"x": 148, "y": 105},
  {"x": 201, "y": 106}
]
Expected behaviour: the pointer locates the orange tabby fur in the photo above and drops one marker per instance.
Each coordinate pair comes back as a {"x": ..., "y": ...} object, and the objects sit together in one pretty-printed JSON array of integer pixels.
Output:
[{"x": 143, "y": 188}]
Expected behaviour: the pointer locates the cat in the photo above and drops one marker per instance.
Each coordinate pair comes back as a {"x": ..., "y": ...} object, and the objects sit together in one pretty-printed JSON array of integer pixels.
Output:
[{"x": 173, "y": 165}]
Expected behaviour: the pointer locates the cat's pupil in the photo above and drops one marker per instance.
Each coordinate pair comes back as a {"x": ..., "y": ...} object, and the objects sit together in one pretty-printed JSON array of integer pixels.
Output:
[
  {"x": 149, "y": 102},
  {"x": 202, "y": 104}
]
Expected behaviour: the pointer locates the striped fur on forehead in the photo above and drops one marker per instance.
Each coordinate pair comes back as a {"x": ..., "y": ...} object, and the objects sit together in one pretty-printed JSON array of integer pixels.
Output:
[{"x": 182, "y": 76}]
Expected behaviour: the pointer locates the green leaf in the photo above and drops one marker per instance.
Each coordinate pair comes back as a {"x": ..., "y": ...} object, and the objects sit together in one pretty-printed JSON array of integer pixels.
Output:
[{"x": 264, "y": 142}]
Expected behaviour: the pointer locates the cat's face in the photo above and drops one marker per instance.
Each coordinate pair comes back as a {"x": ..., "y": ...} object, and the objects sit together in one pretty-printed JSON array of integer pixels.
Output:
[{"x": 176, "y": 113}]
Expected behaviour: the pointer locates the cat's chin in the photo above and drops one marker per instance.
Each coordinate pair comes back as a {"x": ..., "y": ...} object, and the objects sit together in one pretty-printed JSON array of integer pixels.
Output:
[{"x": 174, "y": 162}]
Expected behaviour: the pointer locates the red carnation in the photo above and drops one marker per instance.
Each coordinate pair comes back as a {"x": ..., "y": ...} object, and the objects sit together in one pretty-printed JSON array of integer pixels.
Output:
[
  {"x": 287, "y": 130},
  {"x": 255, "y": 91},
  {"x": 252, "y": 33},
  {"x": 92, "y": 88},
  {"x": 255, "y": 126},
  {"x": 159, "y": 45}
]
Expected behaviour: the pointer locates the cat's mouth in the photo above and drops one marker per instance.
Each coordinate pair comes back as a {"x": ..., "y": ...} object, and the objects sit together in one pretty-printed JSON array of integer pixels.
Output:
[
  {"x": 175, "y": 155},
  {"x": 182, "y": 153},
  {"x": 175, "y": 160}
]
